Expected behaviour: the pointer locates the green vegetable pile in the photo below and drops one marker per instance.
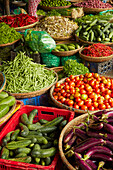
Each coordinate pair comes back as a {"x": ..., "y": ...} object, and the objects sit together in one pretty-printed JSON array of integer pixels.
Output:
[
  {"x": 7, "y": 34},
  {"x": 72, "y": 67},
  {"x": 67, "y": 47},
  {"x": 53, "y": 12},
  {"x": 40, "y": 12},
  {"x": 24, "y": 76},
  {"x": 54, "y": 3}
]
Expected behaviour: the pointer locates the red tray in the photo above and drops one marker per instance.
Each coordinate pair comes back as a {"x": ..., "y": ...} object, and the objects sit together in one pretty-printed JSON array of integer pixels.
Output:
[{"x": 47, "y": 113}]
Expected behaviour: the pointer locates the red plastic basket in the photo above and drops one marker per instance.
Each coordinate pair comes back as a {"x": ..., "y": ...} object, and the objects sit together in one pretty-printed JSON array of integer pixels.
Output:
[{"x": 47, "y": 113}]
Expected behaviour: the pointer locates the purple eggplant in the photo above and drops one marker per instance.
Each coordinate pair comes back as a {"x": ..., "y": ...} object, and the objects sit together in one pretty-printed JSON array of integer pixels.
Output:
[
  {"x": 87, "y": 144},
  {"x": 80, "y": 133},
  {"x": 102, "y": 135},
  {"x": 97, "y": 149},
  {"x": 91, "y": 163},
  {"x": 82, "y": 163},
  {"x": 70, "y": 143},
  {"x": 78, "y": 140},
  {"x": 108, "y": 127},
  {"x": 107, "y": 114},
  {"x": 96, "y": 126},
  {"x": 109, "y": 144},
  {"x": 99, "y": 113},
  {"x": 109, "y": 120},
  {"x": 68, "y": 136},
  {"x": 101, "y": 156}
]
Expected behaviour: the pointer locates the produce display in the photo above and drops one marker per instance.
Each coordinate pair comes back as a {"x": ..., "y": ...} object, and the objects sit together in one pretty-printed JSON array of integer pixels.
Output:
[
  {"x": 40, "y": 12},
  {"x": 95, "y": 31},
  {"x": 89, "y": 145},
  {"x": 55, "y": 3},
  {"x": 97, "y": 50},
  {"x": 94, "y": 4},
  {"x": 7, "y": 34},
  {"x": 19, "y": 20},
  {"x": 33, "y": 142},
  {"x": 67, "y": 47},
  {"x": 86, "y": 92},
  {"x": 57, "y": 26},
  {"x": 25, "y": 76},
  {"x": 6, "y": 102}
]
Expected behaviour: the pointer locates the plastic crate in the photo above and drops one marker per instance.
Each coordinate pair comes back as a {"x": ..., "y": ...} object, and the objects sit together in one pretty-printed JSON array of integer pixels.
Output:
[
  {"x": 47, "y": 113},
  {"x": 100, "y": 68}
]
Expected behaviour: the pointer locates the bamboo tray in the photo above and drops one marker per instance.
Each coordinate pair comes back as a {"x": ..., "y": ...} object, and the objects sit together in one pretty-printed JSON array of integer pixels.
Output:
[
  {"x": 94, "y": 59},
  {"x": 47, "y": 8},
  {"x": 35, "y": 93},
  {"x": 66, "y": 53},
  {"x": 63, "y": 106},
  {"x": 3, "y": 79},
  {"x": 8, "y": 44},
  {"x": 88, "y": 42}
]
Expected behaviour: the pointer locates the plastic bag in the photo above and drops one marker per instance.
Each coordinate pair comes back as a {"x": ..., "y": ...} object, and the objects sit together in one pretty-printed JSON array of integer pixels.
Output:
[
  {"x": 50, "y": 60},
  {"x": 39, "y": 41}
]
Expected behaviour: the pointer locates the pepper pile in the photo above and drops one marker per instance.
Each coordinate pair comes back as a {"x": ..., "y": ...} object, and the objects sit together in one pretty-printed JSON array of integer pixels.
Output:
[
  {"x": 18, "y": 20},
  {"x": 97, "y": 50}
]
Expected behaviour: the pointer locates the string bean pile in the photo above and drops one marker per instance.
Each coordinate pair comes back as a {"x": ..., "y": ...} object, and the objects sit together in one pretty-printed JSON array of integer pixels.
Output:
[{"x": 24, "y": 76}]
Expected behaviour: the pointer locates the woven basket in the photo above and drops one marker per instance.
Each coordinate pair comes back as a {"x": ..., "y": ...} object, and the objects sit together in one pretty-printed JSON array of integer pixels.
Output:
[
  {"x": 35, "y": 93},
  {"x": 95, "y": 10},
  {"x": 65, "y": 130},
  {"x": 63, "y": 106},
  {"x": 9, "y": 114},
  {"x": 3, "y": 80},
  {"x": 19, "y": 3},
  {"x": 57, "y": 69},
  {"x": 66, "y": 53},
  {"x": 26, "y": 27},
  {"x": 88, "y": 42},
  {"x": 94, "y": 59},
  {"x": 62, "y": 38},
  {"x": 8, "y": 44},
  {"x": 47, "y": 8}
]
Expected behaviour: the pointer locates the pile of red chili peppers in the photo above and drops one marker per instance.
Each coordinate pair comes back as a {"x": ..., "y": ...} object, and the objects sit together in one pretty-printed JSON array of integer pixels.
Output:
[
  {"x": 97, "y": 50},
  {"x": 18, "y": 20}
]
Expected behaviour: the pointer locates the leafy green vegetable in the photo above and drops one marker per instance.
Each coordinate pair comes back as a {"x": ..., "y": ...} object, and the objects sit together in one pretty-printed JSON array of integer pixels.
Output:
[
  {"x": 53, "y": 12},
  {"x": 7, "y": 34},
  {"x": 74, "y": 68},
  {"x": 24, "y": 76},
  {"x": 40, "y": 12},
  {"x": 54, "y": 3}
]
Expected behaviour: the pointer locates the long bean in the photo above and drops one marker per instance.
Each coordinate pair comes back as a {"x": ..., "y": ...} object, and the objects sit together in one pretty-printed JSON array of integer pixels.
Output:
[{"x": 25, "y": 76}]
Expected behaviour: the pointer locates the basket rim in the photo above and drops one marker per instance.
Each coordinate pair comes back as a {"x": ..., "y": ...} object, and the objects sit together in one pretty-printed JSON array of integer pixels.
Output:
[
  {"x": 38, "y": 92},
  {"x": 3, "y": 45},
  {"x": 94, "y": 59},
  {"x": 4, "y": 81},
  {"x": 67, "y": 107}
]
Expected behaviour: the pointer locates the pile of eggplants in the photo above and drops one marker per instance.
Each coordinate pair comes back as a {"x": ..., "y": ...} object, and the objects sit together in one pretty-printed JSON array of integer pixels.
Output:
[{"x": 89, "y": 145}]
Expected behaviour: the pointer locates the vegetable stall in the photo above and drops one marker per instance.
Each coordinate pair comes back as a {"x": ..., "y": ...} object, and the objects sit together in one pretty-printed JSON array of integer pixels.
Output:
[{"x": 56, "y": 85}]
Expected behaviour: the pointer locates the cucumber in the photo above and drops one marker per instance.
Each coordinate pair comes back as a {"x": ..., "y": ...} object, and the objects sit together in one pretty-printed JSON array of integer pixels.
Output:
[
  {"x": 35, "y": 133},
  {"x": 40, "y": 139},
  {"x": 79, "y": 29},
  {"x": 56, "y": 50},
  {"x": 21, "y": 155},
  {"x": 34, "y": 126},
  {"x": 62, "y": 124},
  {"x": 37, "y": 160},
  {"x": 48, "y": 145},
  {"x": 18, "y": 144},
  {"x": 4, "y": 108},
  {"x": 5, "y": 153},
  {"x": 93, "y": 22},
  {"x": 47, "y": 129},
  {"x": 44, "y": 153},
  {"x": 3, "y": 95},
  {"x": 15, "y": 134},
  {"x": 23, "y": 150},
  {"x": 92, "y": 36},
  {"x": 26, "y": 159},
  {"x": 43, "y": 121},
  {"x": 42, "y": 162},
  {"x": 24, "y": 130},
  {"x": 47, "y": 161},
  {"x": 31, "y": 145},
  {"x": 11, "y": 153},
  {"x": 64, "y": 46},
  {"x": 36, "y": 147},
  {"x": 111, "y": 34},
  {"x": 10, "y": 101},
  {"x": 32, "y": 115},
  {"x": 24, "y": 119},
  {"x": 106, "y": 28},
  {"x": 54, "y": 122},
  {"x": 33, "y": 140},
  {"x": 62, "y": 49},
  {"x": 57, "y": 47},
  {"x": 71, "y": 45},
  {"x": 71, "y": 48},
  {"x": 77, "y": 46},
  {"x": 7, "y": 138}
]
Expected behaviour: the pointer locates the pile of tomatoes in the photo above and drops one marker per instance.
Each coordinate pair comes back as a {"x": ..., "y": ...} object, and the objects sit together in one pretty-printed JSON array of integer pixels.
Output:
[{"x": 86, "y": 92}]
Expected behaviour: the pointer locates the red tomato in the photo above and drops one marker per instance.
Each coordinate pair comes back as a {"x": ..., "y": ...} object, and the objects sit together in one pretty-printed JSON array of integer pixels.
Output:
[
  {"x": 88, "y": 103},
  {"x": 91, "y": 108},
  {"x": 107, "y": 106},
  {"x": 88, "y": 88},
  {"x": 82, "y": 91},
  {"x": 101, "y": 85},
  {"x": 102, "y": 89},
  {"x": 95, "y": 104},
  {"x": 72, "y": 91},
  {"x": 76, "y": 106},
  {"x": 64, "y": 94},
  {"x": 71, "y": 77},
  {"x": 66, "y": 87},
  {"x": 92, "y": 82},
  {"x": 102, "y": 106},
  {"x": 65, "y": 83},
  {"x": 85, "y": 80},
  {"x": 111, "y": 87},
  {"x": 71, "y": 83},
  {"x": 107, "y": 96},
  {"x": 57, "y": 84},
  {"x": 70, "y": 102},
  {"x": 96, "y": 75},
  {"x": 81, "y": 86},
  {"x": 67, "y": 79},
  {"x": 77, "y": 94},
  {"x": 77, "y": 89},
  {"x": 60, "y": 97},
  {"x": 77, "y": 99},
  {"x": 57, "y": 89},
  {"x": 89, "y": 75},
  {"x": 62, "y": 91},
  {"x": 63, "y": 100},
  {"x": 54, "y": 93},
  {"x": 92, "y": 95},
  {"x": 80, "y": 103},
  {"x": 83, "y": 107},
  {"x": 111, "y": 94},
  {"x": 55, "y": 97},
  {"x": 66, "y": 101},
  {"x": 58, "y": 94},
  {"x": 107, "y": 91},
  {"x": 97, "y": 90},
  {"x": 110, "y": 100},
  {"x": 77, "y": 78},
  {"x": 81, "y": 76},
  {"x": 79, "y": 82},
  {"x": 108, "y": 84},
  {"x": 68, "y": 95}
]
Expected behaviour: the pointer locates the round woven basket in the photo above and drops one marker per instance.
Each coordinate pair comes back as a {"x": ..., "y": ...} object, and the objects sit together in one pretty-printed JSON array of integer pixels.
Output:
[
  {"x": 94, "y": 59},
  {"x": 88, "y": 42},
  {"x": 35, "y": 93},
  {"x": 26, "y": 27},
  {"x": 3, "y": 80},
  {"x": 8, "y": 44},
  {"x": 65, "y": 130},
  {"x": 9, "y": 114},
  {"x": 95, "y": 10},
  {"x": 66, "y": 53},
  {"x": 19, "y": 3},
  {"x": 47, "y": 8},
  {"x": 63, "y": 106},
  {"x": 62, "y": 38},
  {"x": 57, "y": 69}
]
